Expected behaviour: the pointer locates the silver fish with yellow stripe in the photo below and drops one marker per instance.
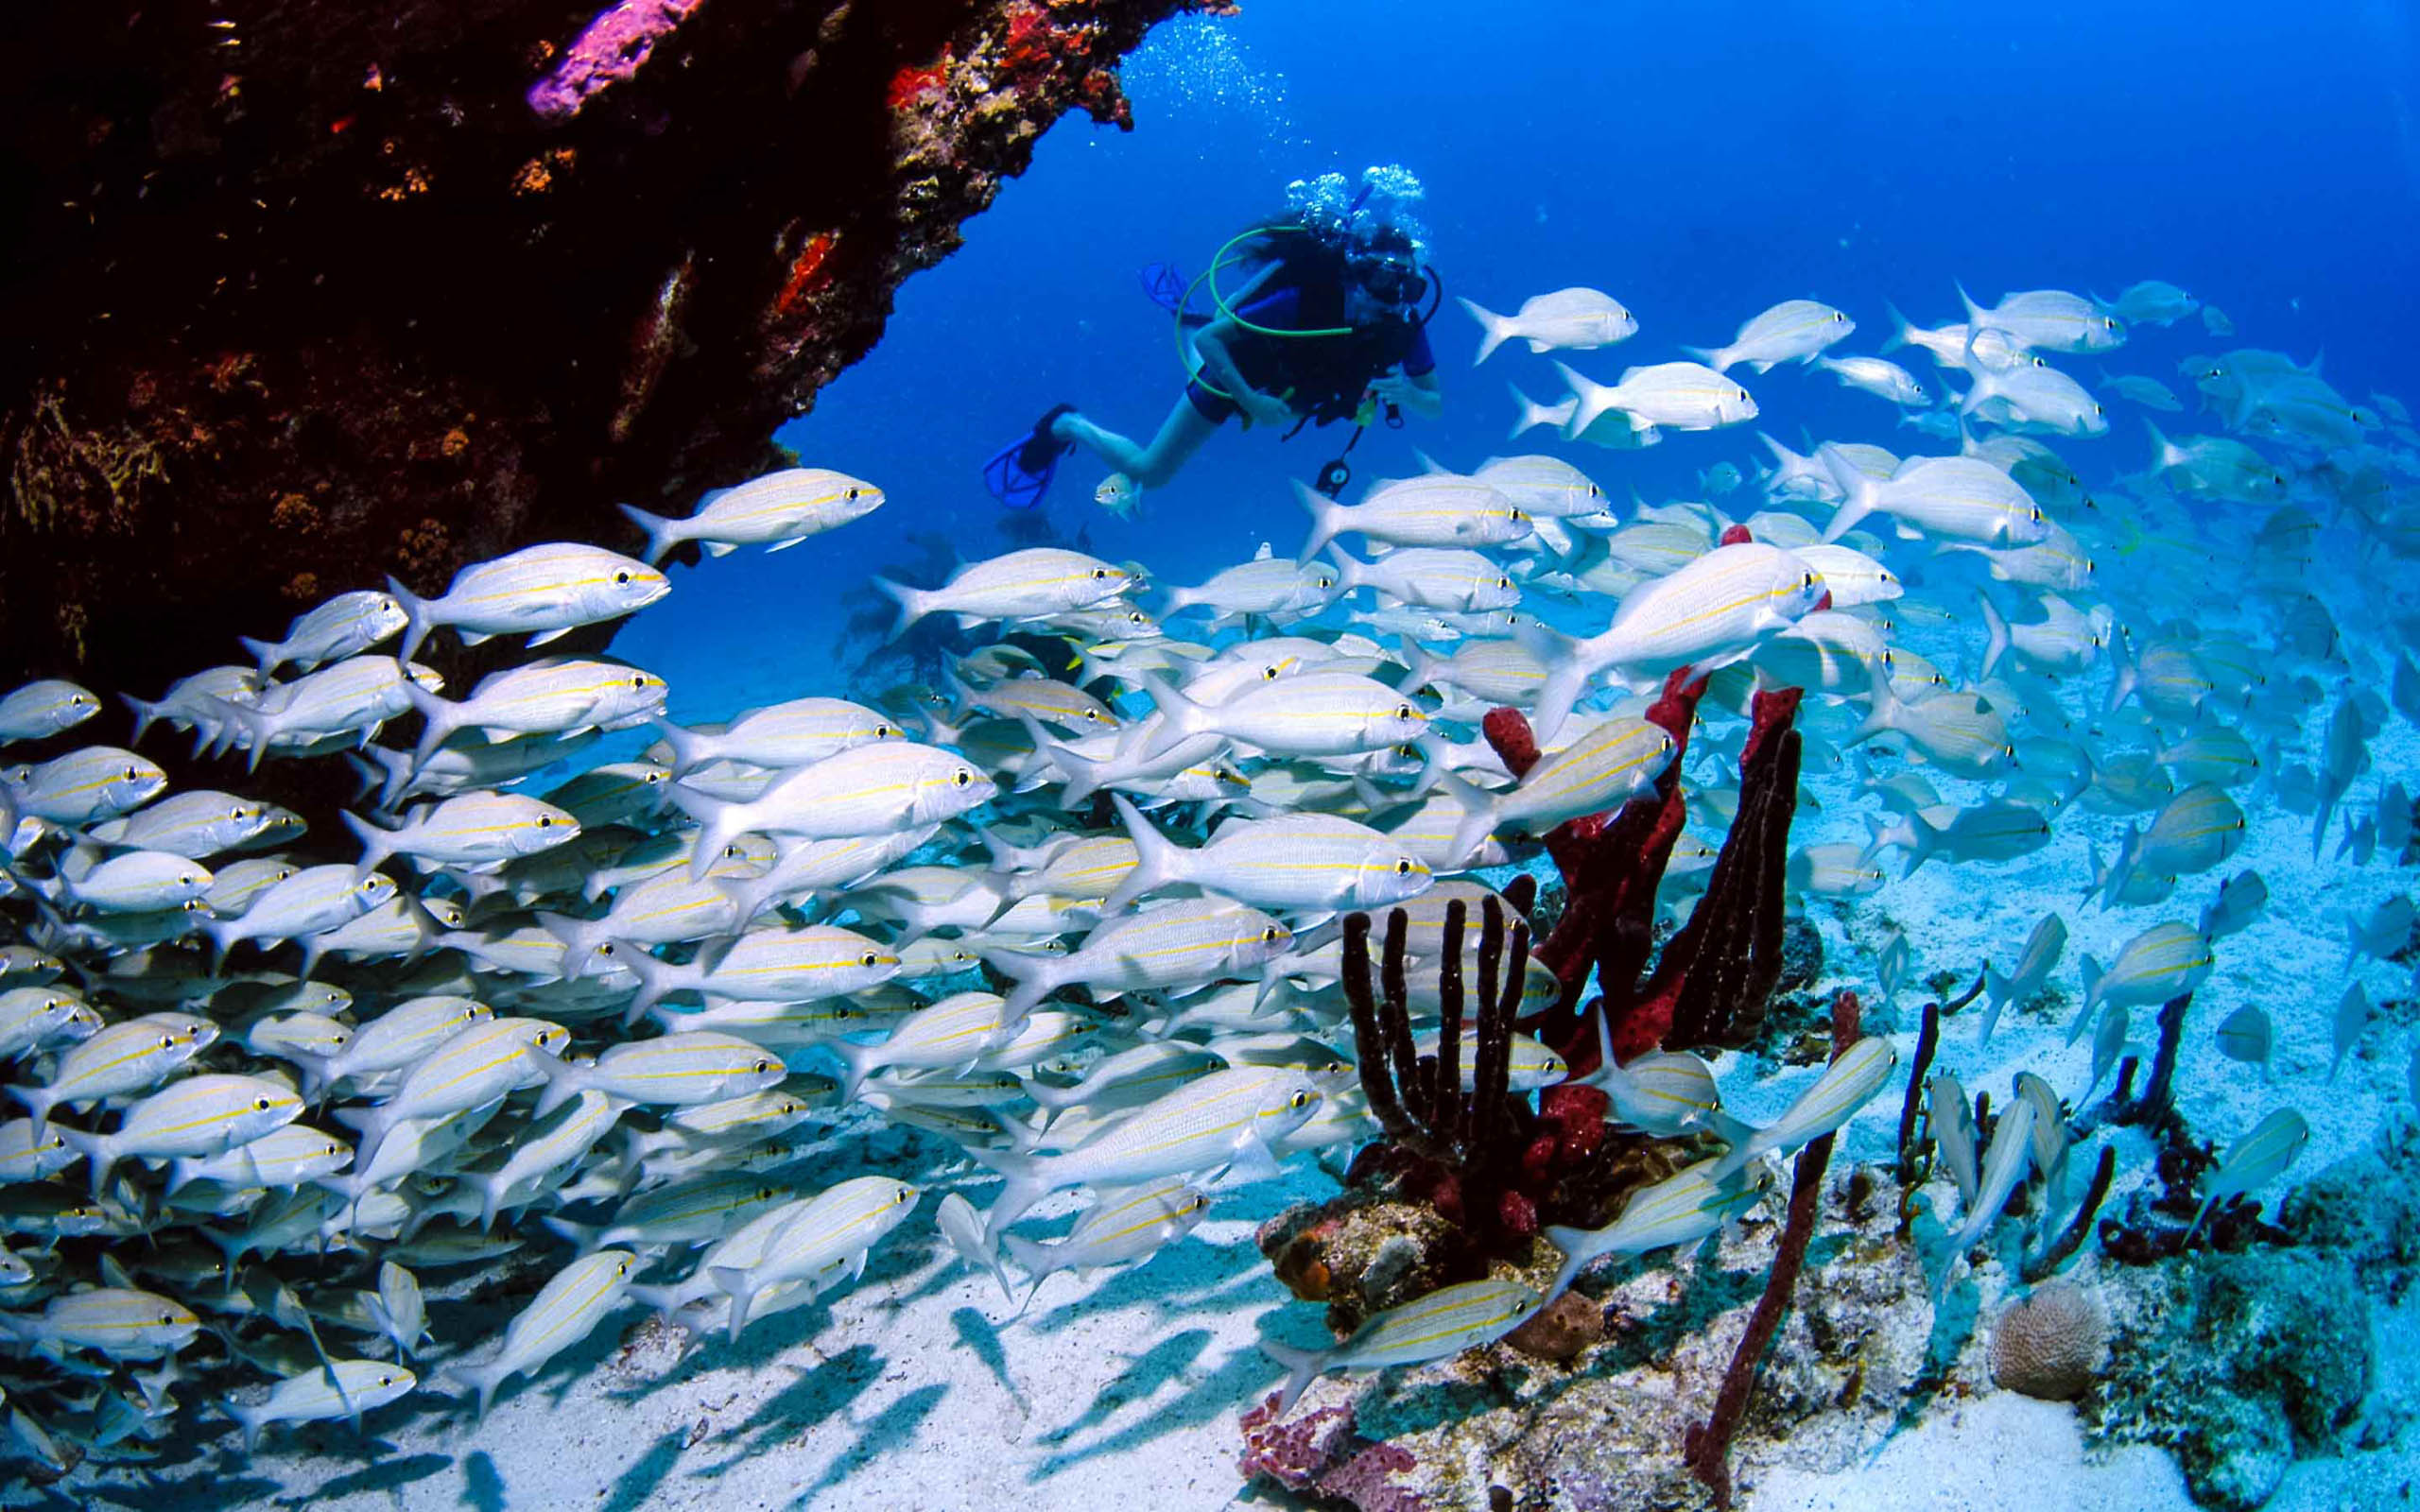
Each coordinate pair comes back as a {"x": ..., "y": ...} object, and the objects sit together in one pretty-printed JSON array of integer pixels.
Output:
[
  {"x": 839, "y": 1226},
  {"x": 544, "y": 590},
  {"x": 565, "y": 1311},
  {"x": 1682, "y": 1209},
  {"x": 199, "y": 1115},
  {"x": 340, "y": 1388},
  {"x": 1442, "y": 1324}
]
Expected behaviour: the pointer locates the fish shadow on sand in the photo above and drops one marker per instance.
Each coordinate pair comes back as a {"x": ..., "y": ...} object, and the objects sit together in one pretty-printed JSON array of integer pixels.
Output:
[
  {"x": 817, "y": 1396},
  {"x": 482, "y": 1483},
  {"x": 1953, "y": 1324},
  {"x": 196, "y": 1492},
  {"x": 892, "y": 1428},
  {"x": 635, "y": 1486},
  {"x": 1206, "y": 1272},
  {"x": 983, "y": 1336},
  {"x": 386, "y": 1474},
  {"x": 1209, "y": 1395}
]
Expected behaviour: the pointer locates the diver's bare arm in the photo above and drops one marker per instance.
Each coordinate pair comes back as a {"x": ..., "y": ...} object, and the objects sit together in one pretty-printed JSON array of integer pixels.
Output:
[{"x": 1220, "y": 367}]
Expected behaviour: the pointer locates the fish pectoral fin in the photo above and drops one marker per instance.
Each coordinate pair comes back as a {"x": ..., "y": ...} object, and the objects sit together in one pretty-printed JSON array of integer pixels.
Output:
[
  {"x": 543, "y": 637},
  {"x": 1253, "y": 1161}
]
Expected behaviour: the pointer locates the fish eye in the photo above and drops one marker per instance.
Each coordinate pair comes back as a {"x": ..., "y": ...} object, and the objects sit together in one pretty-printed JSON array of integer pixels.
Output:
[
  {"x": 1299, "y": 1100},
  {"x": 763, "y": 1066},
  {"x": 853, "y": 494},
  {"x": 639, "y": 681},
  {"x": 1272, "y": 934},
  {"x": 386, "y": 1381},
  {"x": 129, "y": 774},
  {"x": 1326, "y": 581},
  {"x": 1403, "y": 711},
  {"x": 621, "y": 578},
  {"x": 1092, "y": 716},
  {"x": 606, "y": 948},
  {"x": 545, "y": 823},
  {"x": 1504, "y": 582},
  {"x": 869, "y": 959},
  {"x": 885, "y": 732},
  {"x": 261, "y": 1104},
  {"x": 1403, "y": 866},
  {"x": 963, "y": 777},
  {"x": 168, "y": 1042},
  {"x": 1100, "y": 574},
  {"x": 168, "y": 1321}
]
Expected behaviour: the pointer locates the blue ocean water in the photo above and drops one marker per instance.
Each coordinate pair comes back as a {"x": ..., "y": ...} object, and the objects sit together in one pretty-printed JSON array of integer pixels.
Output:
[{"x": 1697, "y": 162}]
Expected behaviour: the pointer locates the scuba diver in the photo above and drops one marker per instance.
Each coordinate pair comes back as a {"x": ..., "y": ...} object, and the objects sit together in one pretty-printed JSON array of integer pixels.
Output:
[{"x": 1318, "y": 316}]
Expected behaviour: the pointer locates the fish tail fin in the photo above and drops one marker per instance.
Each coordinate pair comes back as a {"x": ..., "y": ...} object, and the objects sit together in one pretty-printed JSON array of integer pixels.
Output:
[
  {"x": 1180, "y": 717},
  {"x": 565, "y": 1080},
  {"x": 417, "y": 622},
  {"x": 1570, "y": 1242},
  {"x": 858, "y": 1063},
  {"x": 586, "y": 1237},
  {"x": 661, "y": 534},
  {"x": 377, "y": 845},
  {"x": 1493, "y": 328},
  {"x": 2122, "y": 866},
  {"x": 1327, "y": 519},
  {"x": 580, "y": 938},
  {"x": 656, "y": 978},
  {"x": 1857, "y": 492},
  {"x": 440, "y": 719},
  {"x": 1591, "y": 401},
  {"x": 2090, "y": 971},
  {"x": 1528, "y": 414},
  {"x": 1995, "y": 633},
  {"x": 147, "y": 714},
  {"x": 1478, "y": 814},
  {"x": 1157, "y": 861},
  {"x": 914, "y": 603},
  {"x": 1900, "y": 326},
  {"x": 2124, "y": 677},
  {"x": 1885, "y": 709},
  {"x": 246, "y": 1418},
  {"x": 1035, "y": 978},
  {"x": 482, "y": 1379},
  {"x": 1567, "y": 679},
  {"x": 98, "y": 1150},
  {"x": 1996, "y": 997},
  {"x": 688, "y": 747},
  {"x": 1303, "y": 1366},
  {"x": 720, "y": 822},
  {"x": 268, "y": 654},
  {"x": 740, "y": 1286}
]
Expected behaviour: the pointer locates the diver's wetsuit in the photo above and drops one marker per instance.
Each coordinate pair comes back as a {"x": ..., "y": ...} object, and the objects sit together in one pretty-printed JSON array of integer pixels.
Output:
[{"x": 1325, "y": 375}]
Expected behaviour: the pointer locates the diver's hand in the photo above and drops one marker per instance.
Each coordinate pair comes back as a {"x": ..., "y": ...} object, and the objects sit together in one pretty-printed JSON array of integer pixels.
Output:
[
  {"x": 1265, "y": 409},
  {"x": 1406, "y": 394}
]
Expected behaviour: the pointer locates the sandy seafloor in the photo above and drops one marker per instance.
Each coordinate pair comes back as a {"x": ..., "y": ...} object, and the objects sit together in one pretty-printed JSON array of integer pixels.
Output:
[{"x": 910, "y": 1390}]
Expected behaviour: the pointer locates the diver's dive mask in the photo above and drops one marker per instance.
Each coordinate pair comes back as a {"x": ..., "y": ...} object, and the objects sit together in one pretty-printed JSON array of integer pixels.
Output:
[{"x": 1391, "y": 278}]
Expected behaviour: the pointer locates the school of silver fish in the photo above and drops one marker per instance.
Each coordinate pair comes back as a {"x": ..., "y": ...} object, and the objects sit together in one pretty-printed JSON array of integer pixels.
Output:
[{"x": 594, "y": 1014}]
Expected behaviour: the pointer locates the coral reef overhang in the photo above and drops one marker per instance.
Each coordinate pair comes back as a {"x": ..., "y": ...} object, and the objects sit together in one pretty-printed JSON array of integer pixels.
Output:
[{"x": 297, "y": 296}]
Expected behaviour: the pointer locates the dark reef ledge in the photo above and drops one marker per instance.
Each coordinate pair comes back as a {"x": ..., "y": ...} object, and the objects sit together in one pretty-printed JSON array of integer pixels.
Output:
[{"x": 295, "y": 295}]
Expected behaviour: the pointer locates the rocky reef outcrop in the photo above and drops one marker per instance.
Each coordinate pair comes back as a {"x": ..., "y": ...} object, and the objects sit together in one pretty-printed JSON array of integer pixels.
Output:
[{"x": 299, "y": 294}]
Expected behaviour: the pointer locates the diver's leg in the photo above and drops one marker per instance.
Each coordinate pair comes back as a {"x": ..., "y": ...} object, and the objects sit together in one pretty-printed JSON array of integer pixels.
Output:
[{"x": 1150, "y": 467}]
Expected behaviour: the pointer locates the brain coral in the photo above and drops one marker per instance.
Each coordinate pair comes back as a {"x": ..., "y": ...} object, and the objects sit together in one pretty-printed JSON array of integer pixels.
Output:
[{"x": 2051, "y": 1344}]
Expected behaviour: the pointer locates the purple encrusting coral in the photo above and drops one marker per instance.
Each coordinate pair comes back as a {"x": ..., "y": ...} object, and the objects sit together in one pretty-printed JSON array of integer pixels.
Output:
[
  {"x": 616, "y": 45},
  {"x": 1320, "y": 1453}
]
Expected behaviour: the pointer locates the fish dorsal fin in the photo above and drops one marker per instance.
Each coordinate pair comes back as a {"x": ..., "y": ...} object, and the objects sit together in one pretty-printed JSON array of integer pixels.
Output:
[{"x": 1264, "y": 553}]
